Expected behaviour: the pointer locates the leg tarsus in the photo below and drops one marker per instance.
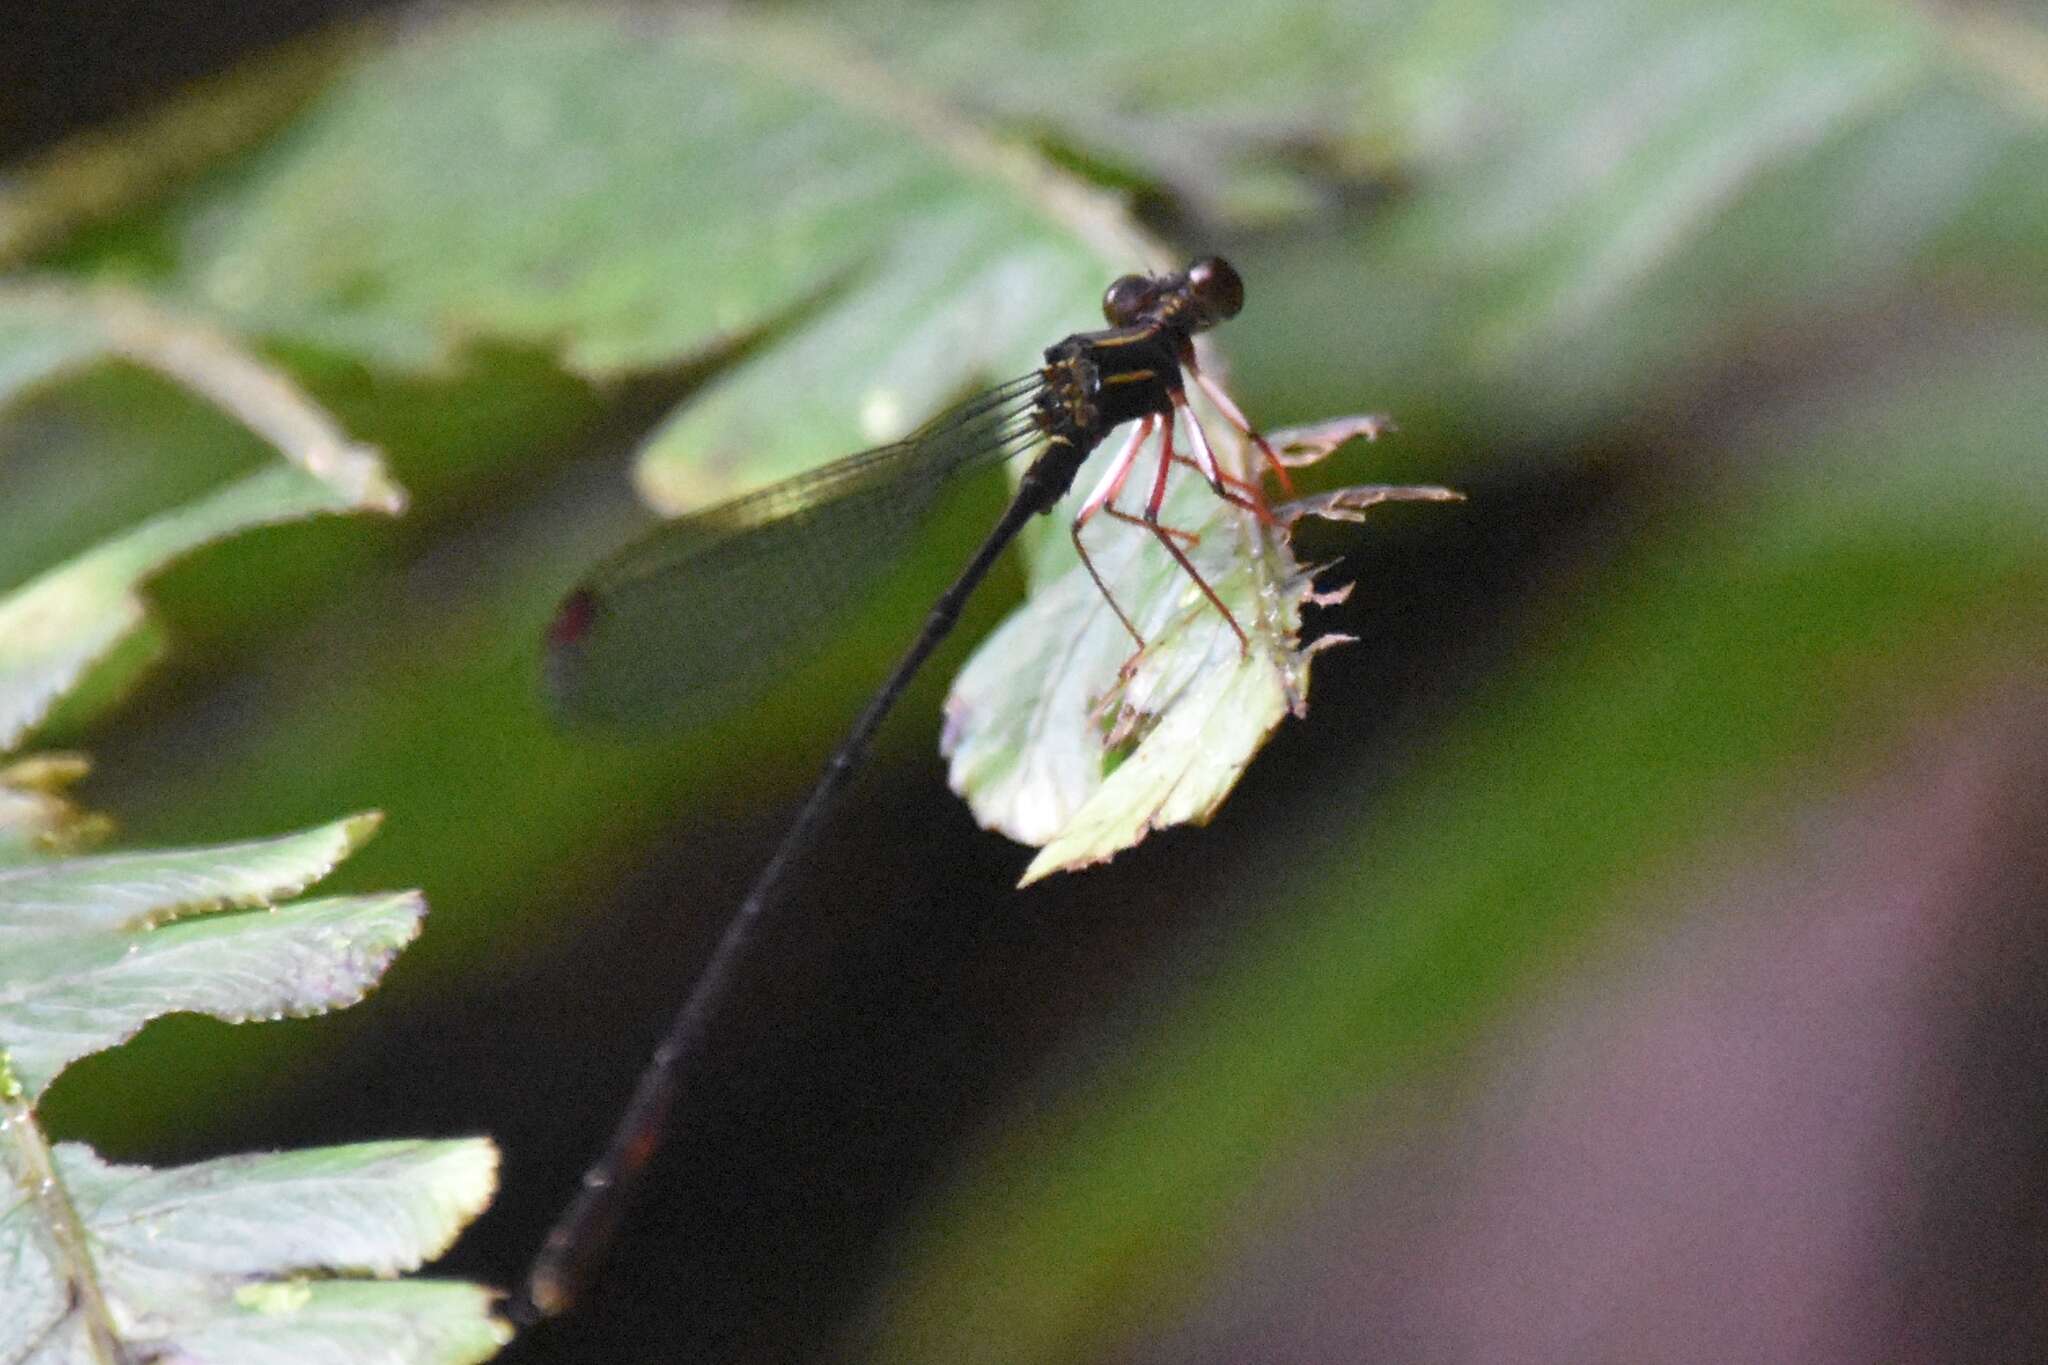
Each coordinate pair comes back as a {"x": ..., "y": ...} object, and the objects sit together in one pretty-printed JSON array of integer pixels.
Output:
[
  {"x": 1187, "y": 538},
  {"x": 1238, "y": 493}
]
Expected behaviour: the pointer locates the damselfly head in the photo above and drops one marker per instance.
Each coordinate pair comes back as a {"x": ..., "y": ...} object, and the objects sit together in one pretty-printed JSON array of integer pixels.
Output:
[
  {"x": 1196, "y": 299},
  {"x": 1130, "y": 300}
]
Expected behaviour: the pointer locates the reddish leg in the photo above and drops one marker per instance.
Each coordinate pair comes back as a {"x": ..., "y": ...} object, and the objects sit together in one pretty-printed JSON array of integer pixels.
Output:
[
  {"x": 1150, "y": 520},
  {"x": 1229, "y": 487},
  {"x": 1103, "y": 497},
  {"x": 1235, "y": 416},
  {"x": 1237, "y": 492}
]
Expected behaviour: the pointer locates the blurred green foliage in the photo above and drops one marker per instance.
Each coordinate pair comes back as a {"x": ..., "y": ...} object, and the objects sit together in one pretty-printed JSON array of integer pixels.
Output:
[{"x": 1776, "y": 270}]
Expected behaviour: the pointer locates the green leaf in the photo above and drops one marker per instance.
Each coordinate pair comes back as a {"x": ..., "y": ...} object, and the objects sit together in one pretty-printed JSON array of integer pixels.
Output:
[
  {"x": 1061, "y": 738},
  {"x": 88, "y": 959},
  {"x": 109, "y": 1264},
  {"x": 38, "y": 345},
  {"x": 580, "y": 184},
  {"x": 52, "y": 325},
  {"x": 109, "y": 1258},
  {"x": 57, "y": 626},
  {"x": 54, "y": 628},
  {"x": 142, "y": 890},
  {"x": 211, "y": 1261}
]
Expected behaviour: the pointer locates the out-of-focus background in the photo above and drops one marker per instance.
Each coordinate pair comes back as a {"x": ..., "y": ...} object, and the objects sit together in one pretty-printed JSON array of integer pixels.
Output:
[{"x": 1638, "y": 951}]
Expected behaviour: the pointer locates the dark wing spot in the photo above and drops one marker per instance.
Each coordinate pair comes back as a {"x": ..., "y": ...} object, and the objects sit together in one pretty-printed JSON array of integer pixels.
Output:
[{"x": 573, "y": 619}]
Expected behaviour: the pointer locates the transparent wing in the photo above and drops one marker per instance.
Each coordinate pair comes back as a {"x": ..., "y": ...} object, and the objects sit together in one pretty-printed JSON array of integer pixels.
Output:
[{"x": 704, "y": 609}]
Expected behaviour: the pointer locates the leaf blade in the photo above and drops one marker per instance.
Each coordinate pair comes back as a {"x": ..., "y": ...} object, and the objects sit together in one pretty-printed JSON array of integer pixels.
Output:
[
  {"x": 66, "y": 996},
  {"x": 210, "y": 1259},
  {"x": 1057, "y": 737},
  {"x": 141, "y": 889}
]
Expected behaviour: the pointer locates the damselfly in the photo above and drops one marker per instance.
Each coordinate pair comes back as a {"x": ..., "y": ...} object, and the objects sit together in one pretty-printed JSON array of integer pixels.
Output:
[{"x": 781, "y": 560}]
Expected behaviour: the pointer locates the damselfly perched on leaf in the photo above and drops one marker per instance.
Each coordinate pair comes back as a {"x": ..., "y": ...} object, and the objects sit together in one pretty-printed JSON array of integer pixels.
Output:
[
  {"x": 710, "y": 602},
  {"x": 714, "y": 600}
]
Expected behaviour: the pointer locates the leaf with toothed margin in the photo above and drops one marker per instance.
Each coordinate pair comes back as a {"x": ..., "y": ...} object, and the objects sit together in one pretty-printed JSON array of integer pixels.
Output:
[
  {"x": 93, "y": 948},
  {"x": 215, "y": 1261},
  {"x": 224, "y": 1261},
  {"x": 1061, "y": 738},
  {"x": 210, "y": 1261}
]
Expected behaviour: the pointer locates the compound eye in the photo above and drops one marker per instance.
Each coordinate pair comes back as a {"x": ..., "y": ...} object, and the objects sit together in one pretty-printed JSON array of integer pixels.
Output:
[
  {"x": 1127, "y": 300},
  {"x": 1216, "y": 287}
]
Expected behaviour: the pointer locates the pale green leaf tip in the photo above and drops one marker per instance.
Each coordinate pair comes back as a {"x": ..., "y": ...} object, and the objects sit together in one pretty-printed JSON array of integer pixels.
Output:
[
  {"x": 356, "y": 830},
  {"x": 1053, "y": 859},
  {"x": 469, "y": 1179},
  {"x": 358, "y": 472}
]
